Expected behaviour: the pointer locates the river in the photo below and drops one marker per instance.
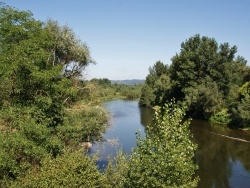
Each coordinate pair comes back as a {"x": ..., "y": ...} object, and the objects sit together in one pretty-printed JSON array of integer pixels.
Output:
[{"x": 223, "y": 155}]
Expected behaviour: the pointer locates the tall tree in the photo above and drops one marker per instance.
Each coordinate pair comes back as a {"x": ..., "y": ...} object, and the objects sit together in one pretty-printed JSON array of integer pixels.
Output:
[
  {"x": 156, "y": 85},
  {"x": 67, "y": 49},
  {"x": 37, "y": 60},
  {"x": 203, "y": 66}
]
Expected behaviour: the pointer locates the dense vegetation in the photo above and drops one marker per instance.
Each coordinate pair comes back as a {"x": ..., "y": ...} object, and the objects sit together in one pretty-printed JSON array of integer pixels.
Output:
[
  {"x": 40, "y": 64},
  {"x": 105, "y": 89},
  {"x": 208, "y": 78},
  {"x": 164, "y": 158},
  {"x": 47, "y": 114}
]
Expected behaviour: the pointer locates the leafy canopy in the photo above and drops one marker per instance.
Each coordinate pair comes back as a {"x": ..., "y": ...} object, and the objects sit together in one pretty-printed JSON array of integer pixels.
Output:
[{"x": 206, "y": 77}]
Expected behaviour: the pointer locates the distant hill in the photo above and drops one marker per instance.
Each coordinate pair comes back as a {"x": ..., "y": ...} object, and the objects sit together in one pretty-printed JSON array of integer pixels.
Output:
[{"x": 128, "y": 82}]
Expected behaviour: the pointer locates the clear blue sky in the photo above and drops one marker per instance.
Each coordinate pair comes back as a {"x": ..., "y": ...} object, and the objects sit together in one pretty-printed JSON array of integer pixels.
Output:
[{"x": 127, "y": 36}]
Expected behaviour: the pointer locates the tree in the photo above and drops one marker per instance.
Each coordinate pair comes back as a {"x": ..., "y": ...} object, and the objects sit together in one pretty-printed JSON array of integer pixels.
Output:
[
  {"x": 156, "y": 85},
  {"x": 67, "y": 49},
  {"x": 155, "y": 72},
  {"x": 40, "y": 61},
  {"x": 204, "y": 99},
  {"x": 147, "y": 96},
  {"x": 201, "y": 57},
  {"x": 193, "y": 63},
  {"x": 161, "y": 89},
  {"x": 164, "y": 158},
  {"x": 240, "y": 110},
  {"x": 206, "y": 76}
]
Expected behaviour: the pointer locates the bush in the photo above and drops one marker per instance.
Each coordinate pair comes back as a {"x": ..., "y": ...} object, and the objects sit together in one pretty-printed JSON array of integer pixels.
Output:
[
  {"x": 221, "y": 117},
  {"x": 164, "y": 158},
  {"x": 72, "y": 169}
]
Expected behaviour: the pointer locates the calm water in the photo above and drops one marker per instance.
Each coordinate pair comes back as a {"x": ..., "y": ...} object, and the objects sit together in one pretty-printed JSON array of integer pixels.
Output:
[{"x": 223, "y": 162}]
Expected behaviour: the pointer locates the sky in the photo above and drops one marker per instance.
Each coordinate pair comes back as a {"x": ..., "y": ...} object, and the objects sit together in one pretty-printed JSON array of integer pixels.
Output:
[{"x": 126, "y": 37}]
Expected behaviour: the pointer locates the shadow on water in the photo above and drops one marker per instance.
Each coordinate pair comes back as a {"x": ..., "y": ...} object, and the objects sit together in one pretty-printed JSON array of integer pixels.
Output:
[
  {"x": 222, "y": 160},
  {"x": 146, "y": 115}
]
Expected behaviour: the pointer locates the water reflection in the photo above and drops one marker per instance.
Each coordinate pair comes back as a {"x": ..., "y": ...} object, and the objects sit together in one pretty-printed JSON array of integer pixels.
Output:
[
  {"x": 146, "y": 115},
  {"x": 211, "y": 156},
  {"x": 222, "y": 161}
]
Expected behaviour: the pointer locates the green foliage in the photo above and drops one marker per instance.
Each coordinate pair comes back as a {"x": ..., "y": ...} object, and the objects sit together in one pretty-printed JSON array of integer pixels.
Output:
[
  {"x": 40, "y": 64},
  {"x": 223, "y": 117},
  {"x": 103, "y": 82},
  {"x": 103, "y": 89},
  {"x": 156, "y": 86},
  {"x": 24, "y": 141},
  {"x": 128, "y": 91},
  {"x": 240, "y": 110},
  {"x": 164, "y": 158},
  {"x": 205, "y": 76},
  {"x": 37, "y": 60},
  {"x": 73, "y": 169},
  {"x": 204, "y": 99},
  {"x": 244, "y": 91},
  {"x": 18, "y": 154},
  {"x": 84, "y": 124},
  {"x": 147, "y": 96},
  {"x": 67, "y": 49},
  {"x": 115, "y": 173},
  {"x": 23, "y": 64}
]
